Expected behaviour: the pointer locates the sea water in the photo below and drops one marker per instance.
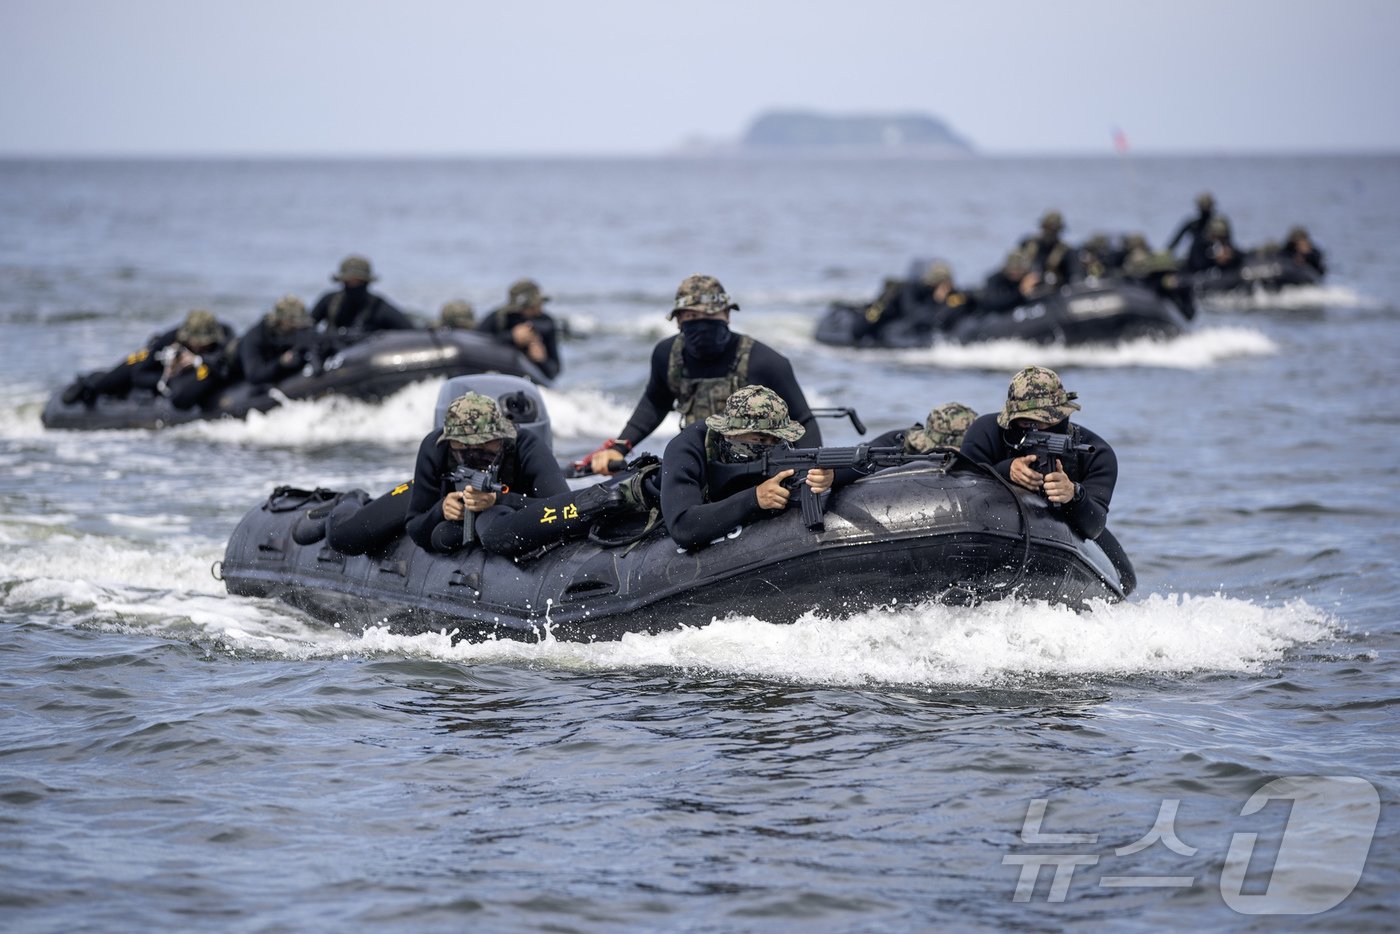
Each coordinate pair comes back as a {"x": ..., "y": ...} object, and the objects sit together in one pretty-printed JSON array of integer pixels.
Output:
[{"x": 173, "y": 757}]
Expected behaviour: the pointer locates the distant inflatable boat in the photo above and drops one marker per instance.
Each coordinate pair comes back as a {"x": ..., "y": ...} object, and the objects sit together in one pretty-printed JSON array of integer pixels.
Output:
[
  {"x": 371, "y": 369},
  {"x": 1258, "y": 274},
  {"x": 929, "y": 531},
  {"x": 1105, "y": 312}
]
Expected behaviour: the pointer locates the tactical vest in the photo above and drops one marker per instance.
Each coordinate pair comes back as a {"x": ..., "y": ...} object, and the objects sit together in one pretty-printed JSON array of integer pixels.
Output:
[
  {"x": 362, "y": 316},
  {"x": 700, "y": 398},
  {"x": 1054, "y": 258}
]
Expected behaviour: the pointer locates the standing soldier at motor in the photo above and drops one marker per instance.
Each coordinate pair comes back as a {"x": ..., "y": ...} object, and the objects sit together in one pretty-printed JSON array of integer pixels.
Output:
[
  {"x": 697, "y": 371},
  {"x": 1195, "y": 229}
]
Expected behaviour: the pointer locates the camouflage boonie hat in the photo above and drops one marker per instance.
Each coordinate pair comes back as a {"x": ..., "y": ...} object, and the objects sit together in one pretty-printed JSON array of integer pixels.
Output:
[
  {"x": 458, "y": 313},
  {"x": 935, "y": 274},
  {"x": 354, "y": 267},
  {"x": 288, "y": 315},
  {"x": 525, "y": 293},
  {"x": 1017, "y": 264},
  {"x": 703, "y": 294},
  {"x": 1052, "y": 220},
  {"x": 475, "y": 419},
  {"x": 1296, "y": 233},
  {"x": 944, "y": 428},
  {"x": 756, "y": 408},
  {"x": 1134, "y": 241},
  {"x": 1205, "y": 201},
  {"x": 199, "y": 328},
  {"x": 1098, "y": 243},
  {"x": 1036, "y": 394}
]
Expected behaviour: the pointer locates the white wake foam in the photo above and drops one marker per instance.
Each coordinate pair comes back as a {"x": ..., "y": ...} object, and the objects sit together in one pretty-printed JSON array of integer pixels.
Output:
[
  {"x": 1292, "y": 298},
  {"x": 165, "y": 587},
  {"x": 400, "y": 420},
  {"x": 1193, "y": 351}
]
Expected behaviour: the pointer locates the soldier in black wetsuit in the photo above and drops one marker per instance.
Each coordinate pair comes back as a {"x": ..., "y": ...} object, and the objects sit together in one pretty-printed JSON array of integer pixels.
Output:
[
  {"x": 279, "y": 345},
  {"x": 697, "y": 504},
  {"x": 1218, "y": 250},
  {"x": 522, "y": 322},
  {"x": 700, "y": 368},
  {"x": 1014, "y": 284},
  {"x": 1050, "y": 257},
  {"x": 537, "y": 507},
  {"x": 189, "y": 365},
  {"x": 1299, "y": 247},
  {"x": 353, "y": 311},
  {"x": 1079, "y": 491},
  {"x": 1195, "y": 228}
]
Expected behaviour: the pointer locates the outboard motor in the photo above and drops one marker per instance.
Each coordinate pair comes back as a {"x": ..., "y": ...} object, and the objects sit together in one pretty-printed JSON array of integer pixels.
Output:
[{"x": 518, "y": 398}]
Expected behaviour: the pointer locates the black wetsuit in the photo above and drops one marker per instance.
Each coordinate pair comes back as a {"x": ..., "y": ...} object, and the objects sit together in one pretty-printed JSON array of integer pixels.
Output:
[
  {"x": 767, "y": 367},
  {"x": 1097, "y": 473},
  {"x": 351, "y": 313},
  {"x": 357, "y": 527},
  {"x": 500, "y": 322},
  {"x": 1217, "y": 254},
  {"x": 696, "y": 512},
  {"x": 1312, "y": 259},
  {"x": 1193, "y": 227},
  {"x": 529, "y": 470},
  {"x": 1000, "y": 294},
  {"x": 193, "y": 386},
  {"x": 260, "y": 351}
]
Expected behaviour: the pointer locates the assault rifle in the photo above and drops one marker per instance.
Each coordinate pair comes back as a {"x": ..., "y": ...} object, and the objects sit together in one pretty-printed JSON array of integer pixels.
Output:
[
  {"x": 1047, "y": 446},
  {"x": 800, "y": 460},
  {"x": 314, "y": 348},
  {"x": 483, "y": 481}
]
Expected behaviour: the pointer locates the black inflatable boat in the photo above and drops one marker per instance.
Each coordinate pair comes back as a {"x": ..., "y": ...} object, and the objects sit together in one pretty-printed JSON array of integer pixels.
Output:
[
  {"x": 1103, "y": 312},
  {"x": 375, "y": 367},
  {"x": 1259, "y": 273},
  {"x": 912, "y": 533}
]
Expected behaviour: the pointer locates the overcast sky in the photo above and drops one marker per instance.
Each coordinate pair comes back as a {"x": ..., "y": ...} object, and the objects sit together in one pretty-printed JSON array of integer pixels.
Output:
[{"x": 449, "y": 77}]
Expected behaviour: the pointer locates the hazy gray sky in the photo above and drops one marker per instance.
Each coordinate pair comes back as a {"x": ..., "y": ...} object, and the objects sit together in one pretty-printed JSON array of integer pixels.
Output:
[{"x": 640, "y": 76}]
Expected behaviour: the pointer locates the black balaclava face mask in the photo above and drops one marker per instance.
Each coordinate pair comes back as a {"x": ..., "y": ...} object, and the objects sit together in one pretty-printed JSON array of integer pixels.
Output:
[{"x": 705, "y": 338}]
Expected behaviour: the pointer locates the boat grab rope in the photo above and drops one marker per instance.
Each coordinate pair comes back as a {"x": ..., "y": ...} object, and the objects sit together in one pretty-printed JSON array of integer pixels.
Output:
[{"x": 960, "y": 458}]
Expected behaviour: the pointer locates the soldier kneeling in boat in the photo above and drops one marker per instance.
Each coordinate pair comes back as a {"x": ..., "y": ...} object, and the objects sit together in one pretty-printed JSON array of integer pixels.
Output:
[
  {"x": 188, "y": 365},
  {"x": 944, "y": 428},
  {"x": 1079, "y": 485},
  {"x": 698, "y": 502},
  {"x": 513, "y": 497}
]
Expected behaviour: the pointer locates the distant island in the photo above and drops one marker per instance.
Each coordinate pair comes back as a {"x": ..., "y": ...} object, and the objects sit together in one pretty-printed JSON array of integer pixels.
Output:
[{"x": 894, "y": 134}]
